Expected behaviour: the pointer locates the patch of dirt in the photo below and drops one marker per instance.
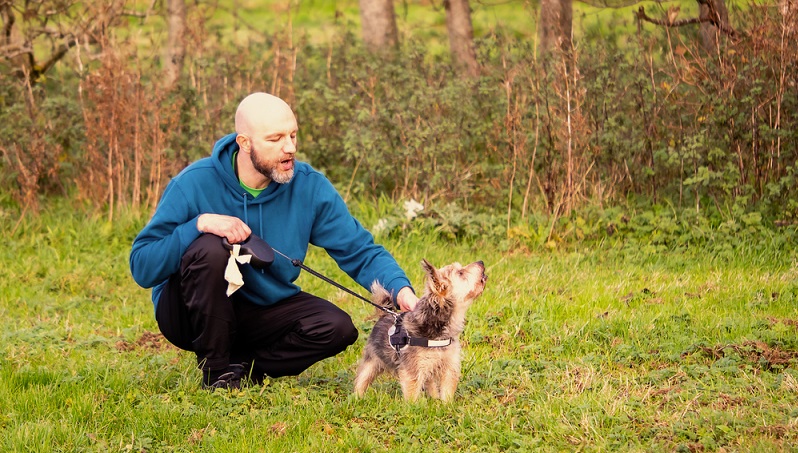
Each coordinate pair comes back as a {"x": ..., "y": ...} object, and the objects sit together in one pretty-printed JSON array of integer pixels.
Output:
[
  {"x": 278, "y": 429},
  {"x": 786, "y": 322},
  {"x": 148, "y": 341},
  {"x": 727, "y": 402},
  {"x": 665, "y": 391},
  {"x": 757, "y": 353},
  {"x": 781, "y": 432}
]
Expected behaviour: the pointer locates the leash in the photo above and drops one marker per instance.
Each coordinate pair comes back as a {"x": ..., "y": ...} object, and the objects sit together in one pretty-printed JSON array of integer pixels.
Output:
[
  {"x": 299, "y": 264},
  {"x": 398, "y": 337}
]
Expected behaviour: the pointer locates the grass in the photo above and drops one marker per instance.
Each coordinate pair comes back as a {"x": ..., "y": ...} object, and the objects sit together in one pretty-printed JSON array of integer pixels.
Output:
[{"x": 589, "y": 348}]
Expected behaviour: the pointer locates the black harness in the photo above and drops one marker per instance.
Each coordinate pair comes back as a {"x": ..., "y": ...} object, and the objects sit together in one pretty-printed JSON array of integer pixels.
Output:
[{"x": 400, "y": 339}]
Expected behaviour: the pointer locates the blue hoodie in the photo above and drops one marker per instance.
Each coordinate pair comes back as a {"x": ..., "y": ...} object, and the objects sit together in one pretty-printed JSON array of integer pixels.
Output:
[{"x": 306, "y": 210}]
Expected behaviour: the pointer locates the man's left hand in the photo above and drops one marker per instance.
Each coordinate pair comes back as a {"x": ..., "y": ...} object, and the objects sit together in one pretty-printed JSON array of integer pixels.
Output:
[{"x": 406, "y": 299}]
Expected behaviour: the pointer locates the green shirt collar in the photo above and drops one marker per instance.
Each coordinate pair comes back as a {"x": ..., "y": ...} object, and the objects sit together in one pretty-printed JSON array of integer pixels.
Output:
[{"x": 253, "y": 192}]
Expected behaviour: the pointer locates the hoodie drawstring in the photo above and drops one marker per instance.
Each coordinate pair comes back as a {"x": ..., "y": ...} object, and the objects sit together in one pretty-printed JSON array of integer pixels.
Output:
[
  {"x": 246, "y": 211},
  {"x": 260, "y": 216}
]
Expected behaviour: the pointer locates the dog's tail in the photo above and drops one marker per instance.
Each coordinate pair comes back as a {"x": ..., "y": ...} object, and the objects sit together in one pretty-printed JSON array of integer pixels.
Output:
[{"x": 381, "y": 297}]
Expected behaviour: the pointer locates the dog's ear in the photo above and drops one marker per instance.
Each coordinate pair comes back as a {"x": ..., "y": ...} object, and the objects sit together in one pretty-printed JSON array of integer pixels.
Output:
[{"x": 438, "y": 284}]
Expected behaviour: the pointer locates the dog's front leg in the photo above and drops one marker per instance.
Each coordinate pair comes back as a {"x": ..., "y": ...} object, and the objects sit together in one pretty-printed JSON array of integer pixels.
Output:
[
  {"x": 411, "y": 384},
  {"x": 449, "y": 379},
  {"x": 368, "y": 370},
  {"x": 433, "y": 388}
]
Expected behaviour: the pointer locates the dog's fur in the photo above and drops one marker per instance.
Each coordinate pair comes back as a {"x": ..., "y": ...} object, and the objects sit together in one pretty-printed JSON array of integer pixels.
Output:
[{"x": 439, "y": 315}]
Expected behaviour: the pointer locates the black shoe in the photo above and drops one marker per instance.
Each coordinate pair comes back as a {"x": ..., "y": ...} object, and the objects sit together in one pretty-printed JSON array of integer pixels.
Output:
[
  {"x": 261, "y": 251},
  {"x": 230, "y": 379}
]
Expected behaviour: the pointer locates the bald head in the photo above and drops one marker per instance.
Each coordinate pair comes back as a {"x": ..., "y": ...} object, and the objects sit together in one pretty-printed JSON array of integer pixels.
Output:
[
  {"x": 266, "y": 136},
  {"x": 258, "y": 111}
]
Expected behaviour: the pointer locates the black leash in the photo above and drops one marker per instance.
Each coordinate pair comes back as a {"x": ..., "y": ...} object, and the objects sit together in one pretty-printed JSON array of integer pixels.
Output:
[
  {"x": 299, "y": 264},
  {"x": 398, "y": 337}
]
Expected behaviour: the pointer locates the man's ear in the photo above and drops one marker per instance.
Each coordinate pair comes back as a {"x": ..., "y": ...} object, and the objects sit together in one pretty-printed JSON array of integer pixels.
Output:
[
  {"x": 438, "y": 284},
  {"x": 244, "y": 143}
]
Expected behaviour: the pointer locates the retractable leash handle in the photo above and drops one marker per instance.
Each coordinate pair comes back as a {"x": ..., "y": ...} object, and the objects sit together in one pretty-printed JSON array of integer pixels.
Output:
[{"x": 260, "y": 250}]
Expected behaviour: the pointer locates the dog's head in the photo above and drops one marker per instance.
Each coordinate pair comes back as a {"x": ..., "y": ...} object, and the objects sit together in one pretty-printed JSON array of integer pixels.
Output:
[{"x": 455, "y": 282}]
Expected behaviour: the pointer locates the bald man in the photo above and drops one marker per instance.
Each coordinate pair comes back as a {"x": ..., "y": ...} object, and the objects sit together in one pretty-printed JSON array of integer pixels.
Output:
[{"x": 252, "y": 182}]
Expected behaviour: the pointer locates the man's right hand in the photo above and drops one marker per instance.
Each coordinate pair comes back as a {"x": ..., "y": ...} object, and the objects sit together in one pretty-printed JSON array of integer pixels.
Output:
[{"x": 232, "y": 228}]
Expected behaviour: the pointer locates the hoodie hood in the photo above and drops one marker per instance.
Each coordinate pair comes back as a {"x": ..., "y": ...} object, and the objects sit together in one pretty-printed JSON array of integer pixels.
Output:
[{"x": 222, "y": 156}]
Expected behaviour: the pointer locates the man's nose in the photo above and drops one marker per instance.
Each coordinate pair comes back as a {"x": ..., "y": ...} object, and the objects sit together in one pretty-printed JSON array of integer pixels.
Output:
[{"x": 290, "y": 146}]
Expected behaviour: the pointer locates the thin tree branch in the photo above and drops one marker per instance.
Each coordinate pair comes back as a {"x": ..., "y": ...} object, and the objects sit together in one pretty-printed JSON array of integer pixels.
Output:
[
  {"x": 55, "y": 57},
  {"x": 14, "y": 50},
  {"x": 641, "y": 15}
]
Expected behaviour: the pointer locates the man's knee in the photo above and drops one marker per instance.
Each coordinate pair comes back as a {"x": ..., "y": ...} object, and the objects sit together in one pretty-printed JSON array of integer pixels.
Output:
[
  {"x": 346, "y": 331},
  {"x": 338, "y": 331},
  {"x": 207, "y": 248}
]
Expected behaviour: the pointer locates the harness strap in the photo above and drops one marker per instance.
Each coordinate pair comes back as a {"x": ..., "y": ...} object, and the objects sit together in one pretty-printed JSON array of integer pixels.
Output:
[
  {"x": 399, "y": 339},
  {"x": 427, "y": 343}
]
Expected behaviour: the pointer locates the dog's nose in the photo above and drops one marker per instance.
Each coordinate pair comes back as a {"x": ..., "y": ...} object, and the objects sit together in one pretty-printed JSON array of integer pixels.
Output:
[{"x": 484, "y": 275}]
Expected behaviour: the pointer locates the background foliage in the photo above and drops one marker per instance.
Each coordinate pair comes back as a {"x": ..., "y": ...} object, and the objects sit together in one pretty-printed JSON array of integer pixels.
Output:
[
  {"x": 630, "y": 117},
  {"x": 635, "y": 204}
]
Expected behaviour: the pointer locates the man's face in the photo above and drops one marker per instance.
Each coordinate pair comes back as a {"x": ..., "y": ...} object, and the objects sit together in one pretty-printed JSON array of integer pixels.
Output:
[{"x": 272, "y": 150}]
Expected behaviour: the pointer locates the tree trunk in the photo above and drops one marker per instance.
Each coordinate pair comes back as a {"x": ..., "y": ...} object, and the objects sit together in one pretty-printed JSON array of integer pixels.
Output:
[
  {"x": 708, "y": 32},
  {"x": 176, "y": 45},
  {"x": 11, "y": 42},
  {"x": 554, "y": 25},
  {"x": 461, "y": 36},
  {"x": 379, "y": 24}
]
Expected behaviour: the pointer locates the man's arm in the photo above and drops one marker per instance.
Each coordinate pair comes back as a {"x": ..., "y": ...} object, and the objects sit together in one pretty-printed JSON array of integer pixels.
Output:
[
  {"x": 353, "y": 247},
  {"x": 158, "y": 248}
]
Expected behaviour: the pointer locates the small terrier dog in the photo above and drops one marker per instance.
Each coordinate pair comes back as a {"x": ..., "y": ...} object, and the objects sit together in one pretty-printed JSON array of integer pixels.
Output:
[{"x": 428, "y": 357}]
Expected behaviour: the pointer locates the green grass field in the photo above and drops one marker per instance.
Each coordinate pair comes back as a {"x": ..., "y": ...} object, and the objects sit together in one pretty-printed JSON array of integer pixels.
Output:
[{"x": 589, "y": 349}]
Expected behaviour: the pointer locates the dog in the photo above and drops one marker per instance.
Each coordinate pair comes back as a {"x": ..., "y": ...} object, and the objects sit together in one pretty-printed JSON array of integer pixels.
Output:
[{"x": 427, "y": 357}]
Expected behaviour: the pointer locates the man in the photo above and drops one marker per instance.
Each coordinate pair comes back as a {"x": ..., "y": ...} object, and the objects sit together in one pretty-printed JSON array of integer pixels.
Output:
[{"x": 252, "y": 182}]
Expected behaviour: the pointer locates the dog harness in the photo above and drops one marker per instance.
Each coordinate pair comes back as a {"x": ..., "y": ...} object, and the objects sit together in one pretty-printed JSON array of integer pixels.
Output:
[{"x": 399, "y": 339}]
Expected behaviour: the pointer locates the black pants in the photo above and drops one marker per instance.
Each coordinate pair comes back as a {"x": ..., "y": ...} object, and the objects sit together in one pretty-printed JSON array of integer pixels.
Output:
[{"x": 195, "y": 314}]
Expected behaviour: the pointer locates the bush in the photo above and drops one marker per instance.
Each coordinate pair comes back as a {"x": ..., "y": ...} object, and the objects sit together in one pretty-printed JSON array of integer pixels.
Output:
[{"x": 530, "y": 137}]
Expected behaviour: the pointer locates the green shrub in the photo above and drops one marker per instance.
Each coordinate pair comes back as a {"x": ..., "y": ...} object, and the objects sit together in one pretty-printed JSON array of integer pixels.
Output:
[{"x": 652, "y": 118}]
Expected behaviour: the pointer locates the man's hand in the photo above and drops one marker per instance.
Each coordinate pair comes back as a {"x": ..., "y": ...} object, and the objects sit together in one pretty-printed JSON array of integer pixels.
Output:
[
  {"x": 406, "y": 299},
  {"x": 232, "y": 228}
]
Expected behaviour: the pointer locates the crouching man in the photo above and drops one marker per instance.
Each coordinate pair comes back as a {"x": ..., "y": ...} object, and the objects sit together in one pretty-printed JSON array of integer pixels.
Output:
[{"x": 253, "y": 183}]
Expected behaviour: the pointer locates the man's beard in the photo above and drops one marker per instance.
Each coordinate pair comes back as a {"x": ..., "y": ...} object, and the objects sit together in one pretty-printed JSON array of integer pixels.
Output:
[{"x": 270, "y": 170}]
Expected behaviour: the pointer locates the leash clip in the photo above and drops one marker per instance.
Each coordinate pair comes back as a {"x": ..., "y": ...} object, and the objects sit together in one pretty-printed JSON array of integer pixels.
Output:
[{"x": 397, "y": 335}]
